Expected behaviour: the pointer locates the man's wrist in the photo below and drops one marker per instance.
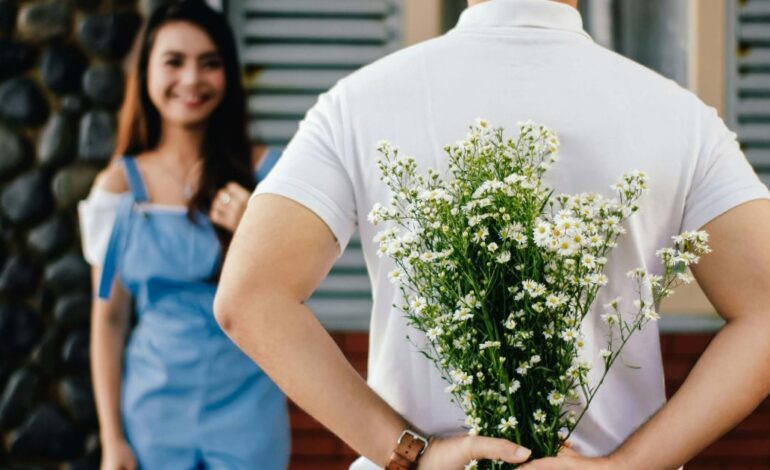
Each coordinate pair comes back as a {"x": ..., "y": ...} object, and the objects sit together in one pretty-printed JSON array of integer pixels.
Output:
[
  {"x": 621, "y": 459},
  {"x": 407, "y": 451}
]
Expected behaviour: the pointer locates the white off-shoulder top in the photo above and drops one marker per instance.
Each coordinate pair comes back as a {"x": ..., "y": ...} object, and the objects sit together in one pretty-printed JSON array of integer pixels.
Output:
[{"x": 97, "y": 216}]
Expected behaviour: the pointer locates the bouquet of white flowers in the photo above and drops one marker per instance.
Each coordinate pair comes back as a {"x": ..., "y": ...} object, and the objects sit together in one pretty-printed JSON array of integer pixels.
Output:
[{"x": 499, "y": 273}]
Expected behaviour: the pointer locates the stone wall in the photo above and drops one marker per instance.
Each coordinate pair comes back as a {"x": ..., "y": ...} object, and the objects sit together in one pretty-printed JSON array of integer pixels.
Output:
[{"x": 61, "y": 83}]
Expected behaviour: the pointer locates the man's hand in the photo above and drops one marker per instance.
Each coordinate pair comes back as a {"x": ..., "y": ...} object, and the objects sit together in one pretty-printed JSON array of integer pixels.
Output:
[
  {"x": 564, "y": 462},
  {"x": 568, "y": 459},
  {"x": 455, "y": 452},
  {"x": 736, "y": 279},
  {"x": 280, "y": 252}
]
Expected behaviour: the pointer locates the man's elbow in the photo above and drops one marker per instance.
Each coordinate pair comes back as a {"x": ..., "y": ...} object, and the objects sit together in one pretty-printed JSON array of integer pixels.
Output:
[{"x": 225, "y": 311}]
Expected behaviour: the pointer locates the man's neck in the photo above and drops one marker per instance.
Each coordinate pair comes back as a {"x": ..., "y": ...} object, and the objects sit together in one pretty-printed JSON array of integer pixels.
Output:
[{"x": 572, "y": 3}]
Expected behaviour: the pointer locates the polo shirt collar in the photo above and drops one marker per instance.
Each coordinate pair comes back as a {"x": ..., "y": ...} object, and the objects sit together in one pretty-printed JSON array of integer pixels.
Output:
[{"x": 546, "y": 14}]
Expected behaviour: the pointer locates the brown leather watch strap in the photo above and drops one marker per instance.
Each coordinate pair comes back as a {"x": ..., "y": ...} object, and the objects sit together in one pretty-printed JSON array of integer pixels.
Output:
[{"x": 410, "y": 447}]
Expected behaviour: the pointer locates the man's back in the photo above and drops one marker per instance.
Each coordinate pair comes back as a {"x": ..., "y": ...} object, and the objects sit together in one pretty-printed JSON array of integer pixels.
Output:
[{"x": 510, "y": 61}]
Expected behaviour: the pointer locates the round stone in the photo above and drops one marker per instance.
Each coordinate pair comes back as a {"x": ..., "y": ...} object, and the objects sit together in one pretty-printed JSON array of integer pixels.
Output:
[
  {"x": 147, "y": 7},
  {"x": 109, "y": 35},
  {"x": 103, "y": 84},
  {"x": 57, "y": 144},
  {"x": 44, "y": 20},
  {"x": 46, "y": 355},
  {"x": 18, "y": 277},
  {"x": 70, "y": 273},
  {"x": 6, "y": 328},
  {"x": 51, "y": 237},
  {"x": 72, "y": 184},
  {"x": 46, "y": 435},
  {"x": 96, "y": 136},
  {"x": 73, "y": 104},
  {"x": 5, "y": 370},
  {"x": 27, "y": 199},
  {"x": 18, "y": 397},
  {"x": 22, "y": 103},
  {"x": 73, "y": 309},
  {"x": 7, "y": 17},
  {"x": 62, "y": 67},
  {"x": 21, "y": 331},
  {"x": 7, "y": 237},
  {"x": 78, "y": 399},
  {"x": 87, "y": 4},
  {"x": 13, "y": 153},
  {"x": 92, "y": 458},
  {"x": 74, "y": 353},
  {"x": 15, "y": 58}
]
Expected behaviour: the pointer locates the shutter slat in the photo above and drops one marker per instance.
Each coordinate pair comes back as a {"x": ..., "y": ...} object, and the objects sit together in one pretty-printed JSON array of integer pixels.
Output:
[
  {"x": 754, "y": 34},
  {"x": 754, "y": 83},
  {"x": 316, "y": 29},
  {"x": 765, "y": 178},
  {"x": 287, "y": 55},
  {"x": 333, "y": 306},
  {"x": 753, "y": 134},
  {"x": 318, "y": 7},
  {"x": 759, "y": 157},
  {"x": 280, "y": 105},
  {"x": 755, "y": 58},
  {"x": 754, "y": 108},
  {"x": 754, "y": 10},
  {"x": 351, "y": 259},
  {"x": 350, "y": 314},
  {"x": 272, "y": 131},
  {"x": 305, "y": 80},
  {"x": 345, "y": 283}
]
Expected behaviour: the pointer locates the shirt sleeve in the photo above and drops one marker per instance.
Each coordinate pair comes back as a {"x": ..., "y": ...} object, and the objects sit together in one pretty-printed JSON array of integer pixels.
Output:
[
  {"x": 97, "y": 216},
  {"x": 723, "y": 177},
  {"x": 311, "y": 170}
]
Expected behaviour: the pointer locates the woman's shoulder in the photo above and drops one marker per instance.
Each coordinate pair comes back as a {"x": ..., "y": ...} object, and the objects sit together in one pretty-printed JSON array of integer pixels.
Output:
[{"x": 112, "y": 179}]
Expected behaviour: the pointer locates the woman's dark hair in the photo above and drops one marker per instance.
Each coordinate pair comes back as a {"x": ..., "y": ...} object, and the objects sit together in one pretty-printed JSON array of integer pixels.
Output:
[{"x": 226, "y": 148}]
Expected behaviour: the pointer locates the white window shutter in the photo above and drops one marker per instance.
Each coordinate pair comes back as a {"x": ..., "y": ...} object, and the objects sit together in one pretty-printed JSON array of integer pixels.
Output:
[
  {"x": 748, "y": 79},
  {"x": 291, "y": 51}
]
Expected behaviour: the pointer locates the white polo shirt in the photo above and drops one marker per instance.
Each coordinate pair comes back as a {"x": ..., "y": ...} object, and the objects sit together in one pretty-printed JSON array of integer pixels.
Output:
[{"x": 510, "y": 61}]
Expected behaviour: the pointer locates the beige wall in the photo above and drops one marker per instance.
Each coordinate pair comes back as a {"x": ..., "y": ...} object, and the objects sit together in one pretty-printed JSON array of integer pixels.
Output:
[
  {"x": 422, "y": 20},
  {"x": 706, "y": 70},
  {"x": 707, "y": 44}
]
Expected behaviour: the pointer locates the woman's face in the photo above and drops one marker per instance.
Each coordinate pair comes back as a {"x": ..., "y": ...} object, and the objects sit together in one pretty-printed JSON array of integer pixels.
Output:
[{"x": 185, "y": 74}]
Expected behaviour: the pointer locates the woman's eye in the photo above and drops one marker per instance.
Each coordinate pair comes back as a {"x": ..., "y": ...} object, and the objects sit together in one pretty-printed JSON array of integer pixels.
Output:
[
  {"x": 173, "y": 62},
  {"x": 212, "y": 64}
]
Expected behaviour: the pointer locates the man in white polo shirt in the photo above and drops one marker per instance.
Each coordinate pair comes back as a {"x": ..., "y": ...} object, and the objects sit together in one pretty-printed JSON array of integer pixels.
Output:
[{"x": 506, "y": 61}]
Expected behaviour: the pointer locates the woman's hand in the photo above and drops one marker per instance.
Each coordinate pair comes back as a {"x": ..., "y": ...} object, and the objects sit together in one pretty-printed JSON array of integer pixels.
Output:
[
  {"x": 454, "y": 453},
  {"x": 117, "y": 455},
  {"x": 229, "y": 205}
]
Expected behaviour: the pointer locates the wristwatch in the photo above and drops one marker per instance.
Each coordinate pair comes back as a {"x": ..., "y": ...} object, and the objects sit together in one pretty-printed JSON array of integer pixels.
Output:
[{"x": 410, "y": 447}]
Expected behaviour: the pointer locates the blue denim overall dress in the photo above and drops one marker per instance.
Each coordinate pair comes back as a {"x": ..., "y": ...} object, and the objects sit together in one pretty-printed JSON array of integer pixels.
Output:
[{"x": 190, "y": 398}]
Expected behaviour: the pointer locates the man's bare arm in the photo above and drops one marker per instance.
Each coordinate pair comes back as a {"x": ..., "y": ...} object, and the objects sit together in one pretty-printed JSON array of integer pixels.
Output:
[
  {"x": 280, "y": 253},
  {"x": 731, "y": 378}
]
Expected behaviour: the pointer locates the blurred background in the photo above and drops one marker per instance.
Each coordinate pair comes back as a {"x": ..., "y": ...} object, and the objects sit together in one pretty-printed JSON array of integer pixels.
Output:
[{"x": 61, "y": 83}]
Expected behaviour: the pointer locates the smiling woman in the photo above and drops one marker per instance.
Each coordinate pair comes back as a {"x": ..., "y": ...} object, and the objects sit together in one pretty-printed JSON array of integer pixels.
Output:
[
  {"x": 155, "y": 228},
  {"x": 186, "y": 78}
]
